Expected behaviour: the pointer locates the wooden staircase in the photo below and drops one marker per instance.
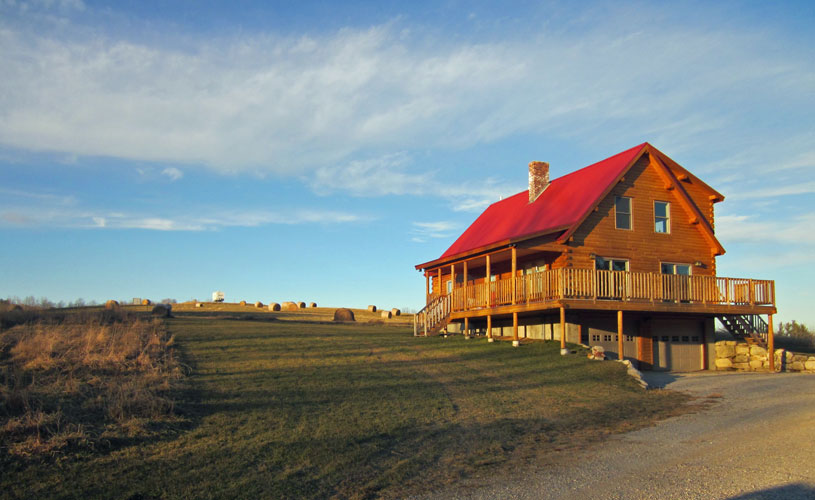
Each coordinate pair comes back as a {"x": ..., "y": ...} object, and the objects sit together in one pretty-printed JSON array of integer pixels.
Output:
[
  {"x": 750, "y": 327},
  {"x": 433, "y": 317}
]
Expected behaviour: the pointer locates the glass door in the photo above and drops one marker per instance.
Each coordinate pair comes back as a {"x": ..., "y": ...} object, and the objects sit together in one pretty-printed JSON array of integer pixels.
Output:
[{"x": 676, "y": 282}]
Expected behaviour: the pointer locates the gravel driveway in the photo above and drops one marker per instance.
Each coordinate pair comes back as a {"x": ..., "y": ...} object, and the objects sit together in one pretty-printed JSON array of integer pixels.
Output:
[{"x": 756, "y": 441}]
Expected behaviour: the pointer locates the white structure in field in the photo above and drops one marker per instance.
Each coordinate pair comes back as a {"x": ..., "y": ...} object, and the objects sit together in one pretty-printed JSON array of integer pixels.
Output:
[{"x": 217, "y": 296}]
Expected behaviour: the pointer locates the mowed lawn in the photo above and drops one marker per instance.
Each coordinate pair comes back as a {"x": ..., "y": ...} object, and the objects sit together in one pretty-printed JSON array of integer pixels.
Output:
[{"x": 295, "y": 409}]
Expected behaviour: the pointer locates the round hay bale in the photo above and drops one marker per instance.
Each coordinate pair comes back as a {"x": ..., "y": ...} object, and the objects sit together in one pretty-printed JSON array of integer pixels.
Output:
[
  {"x": 242, "y": 303},
  {"x": 146, "y": 302},
  {"x": 274, "y": 306},
  {"x": 111, "y": 304},
  {"x": 289, "y": 306},
  {"x": 372, "y": 309},
  {"x": 301, "y": 305},
  {"x": 259, "y": 304},
  {"x": 385, "y": 314},
  {"x": 396, "y": 312},
  {"x": 199, "y": 304},
  {"x": 313, "y": 304},
  {"x": 161, "y": 310},
  {"x": 343, "y": 314}
]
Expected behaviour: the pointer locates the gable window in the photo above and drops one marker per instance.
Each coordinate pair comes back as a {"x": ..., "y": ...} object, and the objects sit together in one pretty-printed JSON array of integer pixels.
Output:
[
  {"x": 662, "y": 217},
  {"x": 622, "y": 212},
  {"x": 603, "y": 264}
]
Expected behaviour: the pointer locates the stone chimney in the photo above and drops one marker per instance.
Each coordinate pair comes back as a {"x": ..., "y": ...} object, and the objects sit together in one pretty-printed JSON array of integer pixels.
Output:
[{"x": 538, "y": 179}]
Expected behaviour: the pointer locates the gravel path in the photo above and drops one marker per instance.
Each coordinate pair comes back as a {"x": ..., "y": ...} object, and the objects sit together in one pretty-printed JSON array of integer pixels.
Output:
[{"x": 756, "y": 441}]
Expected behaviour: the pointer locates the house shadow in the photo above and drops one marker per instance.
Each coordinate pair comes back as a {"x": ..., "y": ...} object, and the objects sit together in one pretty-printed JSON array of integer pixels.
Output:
[
  {"x": 659, "y": 380},
  {"x": 792, "y": 491}
]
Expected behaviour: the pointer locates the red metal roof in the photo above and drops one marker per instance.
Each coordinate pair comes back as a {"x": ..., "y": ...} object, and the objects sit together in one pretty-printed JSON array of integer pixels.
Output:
[{"x": 562, "y": 204}]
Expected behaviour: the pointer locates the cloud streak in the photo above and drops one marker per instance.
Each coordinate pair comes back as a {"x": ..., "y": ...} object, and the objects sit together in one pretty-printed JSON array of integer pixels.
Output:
[
  {"x": 423, "y": 231},
  {"x": 291, "y": 104},
  {"x": 104, "y": 219}
]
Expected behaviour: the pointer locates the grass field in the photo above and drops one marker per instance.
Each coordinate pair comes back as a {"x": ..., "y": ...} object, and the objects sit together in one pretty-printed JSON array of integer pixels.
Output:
[{"x": 288, "y": 406}]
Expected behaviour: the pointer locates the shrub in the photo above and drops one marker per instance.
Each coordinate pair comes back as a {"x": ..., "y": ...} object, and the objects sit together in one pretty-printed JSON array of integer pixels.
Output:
[
  {"x": 161, "y": 310},
  {"x": 795, "y": 337}
]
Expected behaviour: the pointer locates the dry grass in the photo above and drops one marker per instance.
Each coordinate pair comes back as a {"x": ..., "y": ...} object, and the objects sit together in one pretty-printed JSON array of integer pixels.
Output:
[
  {"x": 83, "y": 380},
  {"x": 287, "y": 408}
]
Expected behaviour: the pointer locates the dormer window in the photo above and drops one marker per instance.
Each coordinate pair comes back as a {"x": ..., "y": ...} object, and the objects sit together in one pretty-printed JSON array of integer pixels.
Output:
[{"x": 622, "y": 212}]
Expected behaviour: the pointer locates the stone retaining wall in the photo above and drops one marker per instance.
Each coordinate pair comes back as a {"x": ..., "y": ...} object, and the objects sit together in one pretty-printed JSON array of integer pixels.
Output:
[{"x": 735, "y": 355}]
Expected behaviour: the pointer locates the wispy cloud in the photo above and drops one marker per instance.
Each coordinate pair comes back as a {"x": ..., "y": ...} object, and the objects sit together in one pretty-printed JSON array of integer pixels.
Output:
[
  {"x": 293, "y": 105},
  {"x": 793, "y": 230},
  {"x": 173, "y": 173},
  {"x": 43, "y": 5},
  {"x": 100, "y": 219},
  {"x": 379, "y": 176},
  {"x": 394, "y": 174},
  {"x": 50, "y": 198},
  {"x": 806, "y": 187},
  {"x": 423, "y": 231}
]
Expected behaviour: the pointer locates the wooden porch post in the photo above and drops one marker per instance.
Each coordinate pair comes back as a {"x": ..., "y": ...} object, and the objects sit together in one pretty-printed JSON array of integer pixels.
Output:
[
  {"x": 441, "y": 285},
  {"x": 489, "y": 328},
  {"x": 466, "y": 328},
  {"x": 489, "y": 286},
  {"x": 770, "y": 343},
  {"x": 562, "y": 328},
  {"x": 620, "y": 354},
  {"x": 452, "y": 287},
  {"x": 466, "y": 291},
  {"x": 514, "y": 271},
  {"x": 426, "y": 287},
  {"x": 515, "y": 341}
]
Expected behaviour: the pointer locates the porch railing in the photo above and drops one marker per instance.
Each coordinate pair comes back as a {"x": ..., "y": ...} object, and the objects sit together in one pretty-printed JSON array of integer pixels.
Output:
[{"x": 571, "y": 283}]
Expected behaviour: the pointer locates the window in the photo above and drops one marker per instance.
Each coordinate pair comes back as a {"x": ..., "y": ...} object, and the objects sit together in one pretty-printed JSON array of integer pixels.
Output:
[
  {"x": 603, "y": 264},
  {"x": 682, "y": 269},
  {"x": 449, "y": 286},
  {"x": 629, "y": 338},
  {"x": 606, "y": 338},
  {"x": 662, "y": 217},
  {"x": 493, "y": 277},
  {"x": 622, "y": 210},
  {"x": 535, "y": 268},
  {"x": 595, "y": 337}
]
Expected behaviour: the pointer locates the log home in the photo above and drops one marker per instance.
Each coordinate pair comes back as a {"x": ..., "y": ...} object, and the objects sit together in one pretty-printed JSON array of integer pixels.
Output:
[{"x": 620, "y": 254}]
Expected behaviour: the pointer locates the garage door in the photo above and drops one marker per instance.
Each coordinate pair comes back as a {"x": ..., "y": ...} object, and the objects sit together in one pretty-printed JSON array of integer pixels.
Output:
[
  {"x": 678, "y": 345},
  {"x": 609, "y": 342}
]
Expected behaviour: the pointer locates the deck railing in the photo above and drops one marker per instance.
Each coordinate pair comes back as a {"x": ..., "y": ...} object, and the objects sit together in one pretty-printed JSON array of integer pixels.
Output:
[{"x": 571, "y": 283}]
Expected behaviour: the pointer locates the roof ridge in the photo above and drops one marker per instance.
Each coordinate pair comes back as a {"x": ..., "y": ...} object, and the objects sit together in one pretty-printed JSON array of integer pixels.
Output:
[
  {"x": 563, "y": 204},
  {"x": 573, "y": 172}
]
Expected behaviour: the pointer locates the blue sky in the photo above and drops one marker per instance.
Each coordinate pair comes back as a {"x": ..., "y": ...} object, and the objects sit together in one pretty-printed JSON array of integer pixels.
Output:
[{"x": 319, "y": 150}]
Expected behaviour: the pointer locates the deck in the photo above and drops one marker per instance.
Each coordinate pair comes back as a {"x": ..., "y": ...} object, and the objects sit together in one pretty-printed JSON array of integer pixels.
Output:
[{"x": 612, "y": 290}]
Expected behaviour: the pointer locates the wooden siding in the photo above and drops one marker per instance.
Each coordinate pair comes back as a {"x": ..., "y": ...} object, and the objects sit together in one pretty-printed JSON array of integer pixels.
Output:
[{"x": 641, "y": 246}]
